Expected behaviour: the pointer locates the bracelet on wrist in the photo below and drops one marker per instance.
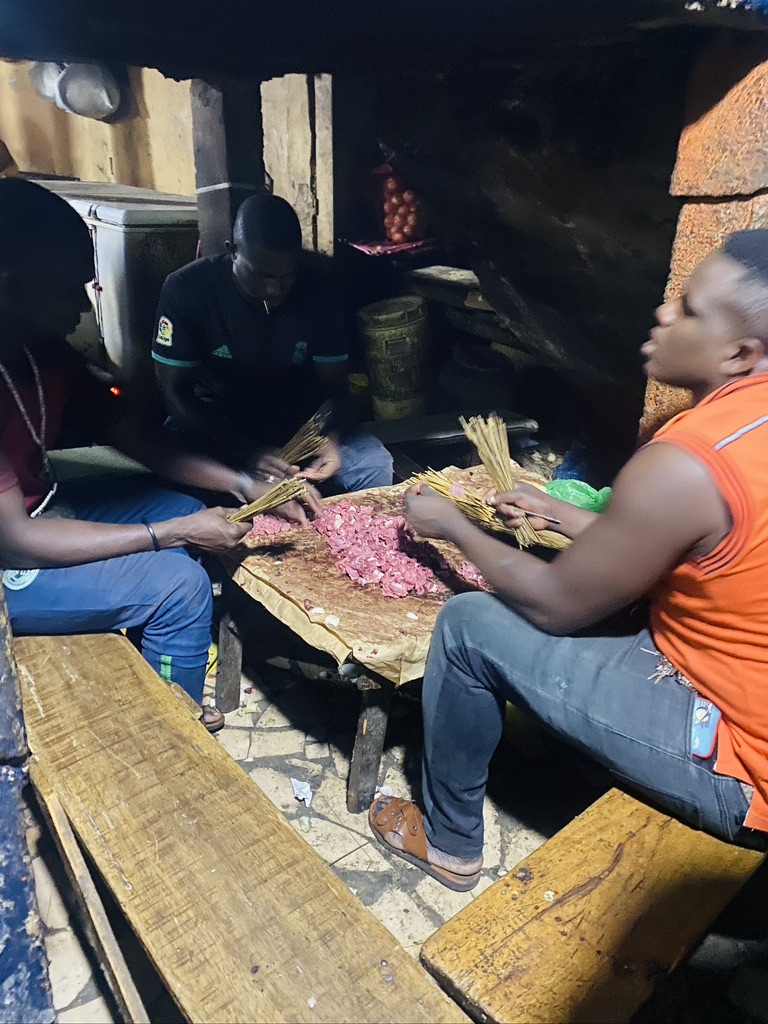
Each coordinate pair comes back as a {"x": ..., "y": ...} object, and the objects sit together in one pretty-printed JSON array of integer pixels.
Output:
[{"x": 152, "y": 534}]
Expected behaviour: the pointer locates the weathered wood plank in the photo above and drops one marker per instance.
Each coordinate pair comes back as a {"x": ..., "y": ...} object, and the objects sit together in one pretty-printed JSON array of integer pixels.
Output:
[
  {"x": 13, "y": 742},
  {"x": 325, "y": 233},
  {"x": 583, "y": 928},
  {"x": 230, "y": 655},
  {"x": 375, "y": 701},
  {"x": 229, "y": 160},
  {"x": 93, "y": 915},
  {"x": 240, "y": 916}
]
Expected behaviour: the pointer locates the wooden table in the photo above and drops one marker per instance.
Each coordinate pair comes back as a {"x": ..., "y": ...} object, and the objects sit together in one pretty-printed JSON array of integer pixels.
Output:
[{"x": 378, "y": 642}]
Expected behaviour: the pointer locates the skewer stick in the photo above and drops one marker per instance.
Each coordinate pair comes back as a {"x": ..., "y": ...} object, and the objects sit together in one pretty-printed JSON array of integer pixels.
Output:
[
  {"x": 308, "y": 440},
  {"x": 286, "y": 490},
  {"x": 490, "y": 439}
]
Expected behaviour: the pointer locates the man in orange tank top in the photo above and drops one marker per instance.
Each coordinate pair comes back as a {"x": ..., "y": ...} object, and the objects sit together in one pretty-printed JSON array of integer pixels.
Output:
[{"x": 678, "y": 712}]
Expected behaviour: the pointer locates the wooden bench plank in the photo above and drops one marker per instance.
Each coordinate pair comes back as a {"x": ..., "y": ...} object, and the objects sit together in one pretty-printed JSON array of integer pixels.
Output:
[
  {"x": 93, "y": 916},
  {"x": 241, "y": 917},
  {"x": 586, "y": 924}
]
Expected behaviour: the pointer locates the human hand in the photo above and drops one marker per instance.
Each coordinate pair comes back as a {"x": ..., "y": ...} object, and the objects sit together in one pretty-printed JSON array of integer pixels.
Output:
[
  {"x": 431, "y": 515},
  {"x": 511, "y": 507},
  {"x": 267, "y": 464},
  {"x": 209, "y": 530},
  {"x": 294, "y": 511},
  {"x": 325, "y": 466},
  {"x": 253, "y": 489}
]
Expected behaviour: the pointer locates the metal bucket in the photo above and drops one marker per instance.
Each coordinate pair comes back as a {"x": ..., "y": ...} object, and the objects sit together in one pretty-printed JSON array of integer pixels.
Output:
[{"x": 396, "y": 337}]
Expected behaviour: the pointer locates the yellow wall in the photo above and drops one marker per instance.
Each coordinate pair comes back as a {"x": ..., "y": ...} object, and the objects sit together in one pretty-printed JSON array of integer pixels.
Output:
[{"x": 151, "y": 147}]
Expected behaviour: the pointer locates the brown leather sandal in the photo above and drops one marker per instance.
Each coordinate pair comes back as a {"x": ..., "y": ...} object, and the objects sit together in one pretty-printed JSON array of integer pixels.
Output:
[
  {"x": 212, "y": 718},
  {"x": 391, "y": 814}
]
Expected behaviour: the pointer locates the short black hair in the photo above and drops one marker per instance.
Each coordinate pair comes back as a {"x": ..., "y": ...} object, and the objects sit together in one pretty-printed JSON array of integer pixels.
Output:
[
  {"x": 33, "y": 218},
  {"x": 748, "y": 298},
  {"x": 750, "y": 249},
  {"x": 267, "y": 222}
]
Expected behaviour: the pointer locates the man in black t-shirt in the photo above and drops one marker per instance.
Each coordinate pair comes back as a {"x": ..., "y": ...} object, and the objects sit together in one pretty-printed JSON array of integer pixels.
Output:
[{"x": 249, "y": 343}]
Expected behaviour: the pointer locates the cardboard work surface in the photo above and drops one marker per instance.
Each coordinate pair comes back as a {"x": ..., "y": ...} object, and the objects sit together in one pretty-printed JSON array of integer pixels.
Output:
[{"x": 294, "y": 576}]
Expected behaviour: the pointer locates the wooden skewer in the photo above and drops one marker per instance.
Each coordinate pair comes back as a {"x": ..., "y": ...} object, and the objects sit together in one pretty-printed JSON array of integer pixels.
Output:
[
  {"x": 474, "y": 507},
  {"x": 538, "y": 515},
  {"x": 309, "y": 439},
  {"x": 286, "y": 490}
]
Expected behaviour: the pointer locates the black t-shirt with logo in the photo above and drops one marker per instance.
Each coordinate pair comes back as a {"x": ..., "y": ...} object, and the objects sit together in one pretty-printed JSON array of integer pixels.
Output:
[{"x": 256, "y": 366}]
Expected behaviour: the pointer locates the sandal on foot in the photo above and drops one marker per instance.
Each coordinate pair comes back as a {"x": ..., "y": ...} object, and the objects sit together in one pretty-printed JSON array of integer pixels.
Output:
[
  {"x": 212, "y": 718},
  {"x": 391, "y": 814}
]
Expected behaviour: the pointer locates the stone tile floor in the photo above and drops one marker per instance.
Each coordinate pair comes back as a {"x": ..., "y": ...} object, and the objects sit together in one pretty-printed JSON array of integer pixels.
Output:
[{"x": 293, "y": 723}]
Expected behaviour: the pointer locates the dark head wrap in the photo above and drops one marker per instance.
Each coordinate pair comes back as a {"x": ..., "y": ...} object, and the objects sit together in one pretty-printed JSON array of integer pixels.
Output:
[{"x": 750, "y": 249}]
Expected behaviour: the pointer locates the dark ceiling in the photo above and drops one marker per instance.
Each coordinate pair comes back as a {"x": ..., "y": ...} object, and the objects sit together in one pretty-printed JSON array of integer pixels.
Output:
[{"x": 192, "y": 38}]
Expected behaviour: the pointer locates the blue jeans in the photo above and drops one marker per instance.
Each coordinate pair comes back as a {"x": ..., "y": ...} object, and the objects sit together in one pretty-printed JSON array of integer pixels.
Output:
[
  {"x": 365, "y": 462},
  {"x": 593, "y": 692},
  {"x": 166, "y": 593}
]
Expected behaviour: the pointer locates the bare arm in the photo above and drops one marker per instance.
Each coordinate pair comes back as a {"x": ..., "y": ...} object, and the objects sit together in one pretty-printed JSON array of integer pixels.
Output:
[
  {"x": 161, "y": 452},
  {"x": 49, "y": 543},
  {"x": 177, "y": 387},
  {"x": 665, "y": 506},
  {"x": 165, "y": 455}
]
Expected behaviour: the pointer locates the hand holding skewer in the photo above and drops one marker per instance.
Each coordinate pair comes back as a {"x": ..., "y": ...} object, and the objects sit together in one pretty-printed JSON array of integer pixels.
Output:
[{"x": 524, "y": 503}]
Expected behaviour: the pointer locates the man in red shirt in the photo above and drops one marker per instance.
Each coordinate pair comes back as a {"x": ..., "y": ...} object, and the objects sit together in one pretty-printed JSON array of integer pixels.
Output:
[{"x": 100, "y": 555}]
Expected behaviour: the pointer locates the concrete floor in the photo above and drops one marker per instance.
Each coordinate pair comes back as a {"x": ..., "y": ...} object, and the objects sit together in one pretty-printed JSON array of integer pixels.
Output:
[{"x": 290, "y": 726}]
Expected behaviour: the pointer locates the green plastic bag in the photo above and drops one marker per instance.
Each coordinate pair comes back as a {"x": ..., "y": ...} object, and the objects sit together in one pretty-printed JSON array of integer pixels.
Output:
[{"x": 580, "y": 494}]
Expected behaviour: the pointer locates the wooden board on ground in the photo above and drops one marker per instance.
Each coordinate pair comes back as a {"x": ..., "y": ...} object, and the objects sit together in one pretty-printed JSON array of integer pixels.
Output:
[
  {"x": 295, "y": 573},
  {"x": 93, "y": 916},
  {"x": 584, "y": 927},
  {"x": 242, "y": 919}
]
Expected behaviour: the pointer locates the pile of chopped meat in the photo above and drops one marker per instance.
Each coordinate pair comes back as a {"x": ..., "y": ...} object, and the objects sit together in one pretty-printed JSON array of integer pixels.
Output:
[
  {"x": 372, "y": 548},
  {"x": 268, "y": 526},
  {"x": 368, "y": 547}
]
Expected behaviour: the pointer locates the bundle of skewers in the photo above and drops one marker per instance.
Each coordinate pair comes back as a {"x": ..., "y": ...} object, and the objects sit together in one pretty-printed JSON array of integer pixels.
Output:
[
  {"x": 286, "y": 490},
  {"x": 470, "y": 502},
  {"x": 308, "y": 441},
  {"x": 490, "y": 439}
]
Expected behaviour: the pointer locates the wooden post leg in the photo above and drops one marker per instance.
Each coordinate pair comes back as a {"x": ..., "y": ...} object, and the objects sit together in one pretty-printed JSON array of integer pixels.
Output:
[
  {"x": 230, "y": 656},
  {"x": 375, "y": 701}
]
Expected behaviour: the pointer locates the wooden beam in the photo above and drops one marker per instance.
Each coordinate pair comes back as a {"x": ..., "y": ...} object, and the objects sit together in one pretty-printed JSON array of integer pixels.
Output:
[
  {"x": 229, "y": 155},
  {"x": 298, "y": 152},
  {"x": 93, "y": 915},
  {"x": 584, "y": 927},
  {"x": 241, "y": 918}
]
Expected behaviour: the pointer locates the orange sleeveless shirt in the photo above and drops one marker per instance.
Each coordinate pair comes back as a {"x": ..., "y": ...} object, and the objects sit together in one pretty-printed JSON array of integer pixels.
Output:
[{"x": 709, "y": 616}]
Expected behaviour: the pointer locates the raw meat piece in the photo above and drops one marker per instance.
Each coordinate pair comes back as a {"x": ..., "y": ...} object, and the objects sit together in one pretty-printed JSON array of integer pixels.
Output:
[
  {"x": 269, "y": 526},
  {"x": 369, "y": 549},
  {"x": 468, "y": 572}
]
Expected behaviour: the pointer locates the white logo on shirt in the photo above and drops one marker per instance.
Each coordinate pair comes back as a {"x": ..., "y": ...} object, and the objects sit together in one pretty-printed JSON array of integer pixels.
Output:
[
  {"x": 223, "y": 352},
  {"x": 19, "y": 579},
  {"x": 164, "y": 331}
]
